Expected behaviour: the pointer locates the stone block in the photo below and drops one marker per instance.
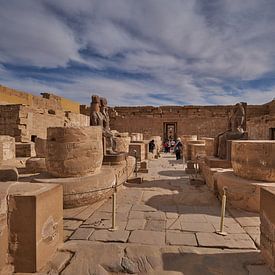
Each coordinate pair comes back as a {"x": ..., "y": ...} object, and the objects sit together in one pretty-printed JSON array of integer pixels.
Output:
[
  {"x": 214, "y": 162},
  {"x": 180, "y": 238},
  {"x": 24, "y": 150},
  {"x": 140, "y": 150},
  {"x": 122, "y": 142},
  {"x": 242, "y": 193},
  {"x": 7, "y": 148},
  {"x": 36, "y": 165},
  {"x": 40, "y": 147},
  {"x": 3, "y": 243},
  {"x": 188, "y": 151},
  {"x": 8, "y": 173},
  {"x": 35, "y": 218},
  {"x": 147, "y": 237},
  {"x": 209, "y": 146},
  {"x": 254, "y": 159},
  {"x": 197, "y": 150}
]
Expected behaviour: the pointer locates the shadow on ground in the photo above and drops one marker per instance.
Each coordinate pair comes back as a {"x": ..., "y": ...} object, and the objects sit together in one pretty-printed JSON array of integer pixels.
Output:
[
  {"x": 177, "y": 195},
  {"x": 212, "y": 264},
  {"x": 175, "y": 173}
]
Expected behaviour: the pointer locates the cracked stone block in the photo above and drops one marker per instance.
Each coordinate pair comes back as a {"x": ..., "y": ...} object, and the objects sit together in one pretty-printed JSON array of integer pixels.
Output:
[
  {"x": 180, "y": 238},
  {"x": 136, "y": 224},
  {"x": 147, "y": 237},
  {"x": 155, "y": 225},
  {"x": 120, "y": 236},
  {"x": 82, "y": 234}
]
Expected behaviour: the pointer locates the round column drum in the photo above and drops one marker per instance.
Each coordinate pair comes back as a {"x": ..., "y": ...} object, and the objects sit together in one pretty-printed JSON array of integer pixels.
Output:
[
  {"x": 254, "y": 159},
  {"x": 122, "y": 143},
  {"x": 74, "y": 151}
]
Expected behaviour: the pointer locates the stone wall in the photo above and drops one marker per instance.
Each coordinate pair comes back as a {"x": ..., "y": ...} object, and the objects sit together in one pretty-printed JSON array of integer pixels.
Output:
[
  {"x": 24, "y": 123},
  {"x": 203, "y": 121},
  {"x": 47, "y": 101}
]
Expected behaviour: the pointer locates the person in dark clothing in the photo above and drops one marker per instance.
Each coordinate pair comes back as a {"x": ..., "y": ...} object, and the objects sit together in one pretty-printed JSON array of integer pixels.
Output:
[
  {"x": 178, "y": 149},
  {"x": 152, "y": 146}
]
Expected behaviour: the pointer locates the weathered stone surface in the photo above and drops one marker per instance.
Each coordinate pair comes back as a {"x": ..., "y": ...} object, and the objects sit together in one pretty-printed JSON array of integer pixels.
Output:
[
  {"x": 33, "y": 240},
  {"x": 23, "y": 150},
  {"x": 36, "y": 165},
  {"x": 8, "y": 173},
  {"x": 147, "y": 237},
  {"x": 120, "y": 236},
  {"x": 122, "y": 142},
  {"x": 209, "y": 146},
  {"x": 180, "y": 238},
  {"x": 214, "y": 162},
  {"x": 155, "y": 225},
  {"x": 7, "y": 148},
  {"x": 267, "y": 215},
  {"x": 84, "y": 190},
  {"x": 242, "y": 193},
  {"x": 71, "y": 224},
  {"x": 135, "y": 224},
  {"x": 140, "y": 150},
  {"x": 74, "y": 151},
  {"x": 241, "y": 241},
  {"x": 254, "y": 159},
  {"x": 82, "y": 234},
  {"x": 197, "y": 227},
  {"x": 40, "y": 147}
]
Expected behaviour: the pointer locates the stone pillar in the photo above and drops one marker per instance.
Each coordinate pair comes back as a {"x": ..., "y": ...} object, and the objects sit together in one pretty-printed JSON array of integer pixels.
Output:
[{"x": 74, "y": 151}]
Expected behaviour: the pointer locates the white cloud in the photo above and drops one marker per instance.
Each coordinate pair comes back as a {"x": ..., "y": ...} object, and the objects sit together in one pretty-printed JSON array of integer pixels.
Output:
[{"x": 188, "y": 48}]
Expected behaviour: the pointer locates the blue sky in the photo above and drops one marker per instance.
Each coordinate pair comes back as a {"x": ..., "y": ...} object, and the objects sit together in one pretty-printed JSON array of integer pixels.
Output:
[{"x": 141, "y": 52}]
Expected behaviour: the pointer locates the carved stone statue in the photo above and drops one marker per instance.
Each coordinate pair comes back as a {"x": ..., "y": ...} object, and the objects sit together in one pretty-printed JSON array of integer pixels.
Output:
[
  {"x": 96, "y": 117},
  {"x": 235, "y": 131},
  {"x": 99, "y": 117}
]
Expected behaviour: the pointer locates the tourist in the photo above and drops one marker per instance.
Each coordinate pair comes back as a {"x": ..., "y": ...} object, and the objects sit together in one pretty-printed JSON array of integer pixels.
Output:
[
  {"x": 166, "y": 146},
  {"x": 152, "y": 146},
  {"x": 178, "y": 149}
]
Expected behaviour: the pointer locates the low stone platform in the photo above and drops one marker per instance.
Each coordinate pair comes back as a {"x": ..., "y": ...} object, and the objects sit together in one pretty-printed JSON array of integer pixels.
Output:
[
  {"x": 84, "y": 190},
  {"x": 242, "y": 193},
  {"x": 214, "y": 162}
]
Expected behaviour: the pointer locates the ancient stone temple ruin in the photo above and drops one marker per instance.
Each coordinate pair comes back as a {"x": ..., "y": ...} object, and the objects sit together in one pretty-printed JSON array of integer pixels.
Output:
[{"x": 91, "y": 189}]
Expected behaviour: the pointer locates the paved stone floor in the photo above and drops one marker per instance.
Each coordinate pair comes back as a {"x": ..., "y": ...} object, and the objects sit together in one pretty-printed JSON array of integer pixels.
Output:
[{"x": 165, "y": 226}]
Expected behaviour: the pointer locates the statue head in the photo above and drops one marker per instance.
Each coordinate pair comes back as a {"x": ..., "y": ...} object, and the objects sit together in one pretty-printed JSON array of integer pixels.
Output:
[
  {"x": 95, "y": 99},
  {"x": 103, "y": 102}
]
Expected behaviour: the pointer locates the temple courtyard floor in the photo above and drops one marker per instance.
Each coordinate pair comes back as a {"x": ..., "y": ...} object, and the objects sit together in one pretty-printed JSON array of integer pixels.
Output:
[{"x": 165, "y": 226}]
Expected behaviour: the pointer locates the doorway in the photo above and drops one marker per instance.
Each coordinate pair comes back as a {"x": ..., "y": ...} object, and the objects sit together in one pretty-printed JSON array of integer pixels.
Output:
[
  {"x": 272, "y": 133},
  {"x": 170, "y": 130}
]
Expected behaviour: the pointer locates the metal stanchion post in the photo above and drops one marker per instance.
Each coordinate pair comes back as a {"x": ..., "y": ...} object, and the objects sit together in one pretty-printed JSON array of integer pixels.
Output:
[
  {"x": 221, "y": 232},
  {"x": 114, "y": 202},
  {"x": 136, "y": 166}
]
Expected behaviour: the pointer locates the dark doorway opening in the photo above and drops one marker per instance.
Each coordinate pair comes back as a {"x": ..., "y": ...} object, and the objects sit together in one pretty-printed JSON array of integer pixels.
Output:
[
  {"x": 33, "y": 138},
  {"x": 272, "y": 133},
  {"x": 170, "y": 130}
]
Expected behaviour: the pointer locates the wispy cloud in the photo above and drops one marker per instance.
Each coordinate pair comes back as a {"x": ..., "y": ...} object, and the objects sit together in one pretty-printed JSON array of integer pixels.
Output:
[{"x": 141, "y": 52}]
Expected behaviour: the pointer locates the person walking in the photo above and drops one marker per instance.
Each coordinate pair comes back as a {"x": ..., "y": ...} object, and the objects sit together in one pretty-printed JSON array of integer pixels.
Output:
[{"x": 178, "y": 149}]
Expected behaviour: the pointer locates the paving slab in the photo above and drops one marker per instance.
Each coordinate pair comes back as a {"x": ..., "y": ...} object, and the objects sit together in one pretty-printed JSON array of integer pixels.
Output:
[
  {"x": 155, "y": 225},
  {"x": 197, "y": 227},
  {"x": 180, "y": 238},
  {"x": 147, "y": 237},
  {"x": 173, "y": 224},
  {"x": 71, "y": 224},
  {"x": 136, "y": 224},
  {"x": 238, "y": 241},
  {"x": 82, "y": 234},
  {"x": 143, "y": 208},
  {"x": 120, "y": 236}
]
